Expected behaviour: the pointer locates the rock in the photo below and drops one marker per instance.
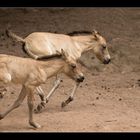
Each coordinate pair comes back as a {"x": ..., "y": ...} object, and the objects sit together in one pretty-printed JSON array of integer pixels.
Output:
[
  {"x": 86, "y": 84},
  {"x": 97, "y": 98},
  {"x": 120, "y": 99}
]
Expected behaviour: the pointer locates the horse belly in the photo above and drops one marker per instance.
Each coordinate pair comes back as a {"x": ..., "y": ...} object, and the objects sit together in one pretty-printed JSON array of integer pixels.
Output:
[{"x": 40, "y": 46}]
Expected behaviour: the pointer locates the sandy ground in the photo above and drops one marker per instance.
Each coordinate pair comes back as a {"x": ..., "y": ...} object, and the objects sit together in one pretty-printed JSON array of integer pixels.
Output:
[{"x": 109, "y": 98}]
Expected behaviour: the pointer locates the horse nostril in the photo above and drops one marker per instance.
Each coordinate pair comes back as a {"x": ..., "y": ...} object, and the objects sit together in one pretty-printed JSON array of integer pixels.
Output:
[
  {"x": 80, "y": 79},
  {"x": 83, "y": 78},
  {"x": 107, "y": 61}
]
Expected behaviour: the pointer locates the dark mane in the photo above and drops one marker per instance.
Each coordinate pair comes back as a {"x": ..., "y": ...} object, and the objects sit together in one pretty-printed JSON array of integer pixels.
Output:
[
  {"x": 49, "y": 57},
  {"x": 75, "y": 33}
]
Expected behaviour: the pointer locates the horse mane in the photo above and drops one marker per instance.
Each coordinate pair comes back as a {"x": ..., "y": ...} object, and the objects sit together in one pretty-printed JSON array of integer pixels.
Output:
[
  {"x": 49, "y": 57},
  {"x": 76, "y": 33}
]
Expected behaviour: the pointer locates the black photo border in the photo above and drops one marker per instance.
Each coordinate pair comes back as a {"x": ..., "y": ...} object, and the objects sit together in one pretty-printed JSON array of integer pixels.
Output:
[{"x": 66, "y": 3}]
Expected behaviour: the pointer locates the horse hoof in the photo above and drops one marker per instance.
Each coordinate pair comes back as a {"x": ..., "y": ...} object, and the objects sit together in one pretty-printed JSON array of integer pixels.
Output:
[
  {"x": 1, "y": 117},
  {"x": 40, "y": 107},
  {"x": 1, "y": 95},
  {"x": 43, "y": 104},
  {"x": 35, "y": 125},
  {"x": 36, "y": 111},
  {"x": 63, "y": 104},
  {"x": 47, "y": 101}
]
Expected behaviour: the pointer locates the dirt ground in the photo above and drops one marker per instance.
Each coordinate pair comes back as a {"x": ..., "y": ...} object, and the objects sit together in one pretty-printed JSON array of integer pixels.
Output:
[{"x": 109, "y": 98}]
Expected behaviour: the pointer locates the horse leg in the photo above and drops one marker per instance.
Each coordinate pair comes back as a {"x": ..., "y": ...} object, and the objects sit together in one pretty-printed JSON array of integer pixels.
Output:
[
  {"x": 42, "y": 104},
  {"x": 16, "y": 104},
  {"x": 56, "y": 85},
  {"x": 71, "y": 97},
  {"x": 41, "y": 93},
  {"x": 30, "y": 101}
]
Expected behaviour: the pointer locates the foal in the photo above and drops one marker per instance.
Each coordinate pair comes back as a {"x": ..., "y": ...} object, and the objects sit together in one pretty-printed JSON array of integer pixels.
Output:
[{"x": 31, "y": 74}]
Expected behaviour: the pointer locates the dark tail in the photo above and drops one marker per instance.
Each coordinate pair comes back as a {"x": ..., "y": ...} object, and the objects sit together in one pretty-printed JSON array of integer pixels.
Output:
[{"x": 14, "y": 36}]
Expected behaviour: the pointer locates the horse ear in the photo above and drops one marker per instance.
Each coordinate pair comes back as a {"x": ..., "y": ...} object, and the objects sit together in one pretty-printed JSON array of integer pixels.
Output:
[
  {"x": 63, "y": 54},
  {"x": 94, "y": 32}
]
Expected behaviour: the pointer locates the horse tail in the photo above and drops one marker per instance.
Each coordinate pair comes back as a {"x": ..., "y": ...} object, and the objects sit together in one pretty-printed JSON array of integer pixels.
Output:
[{"x": 14, "y": 36}]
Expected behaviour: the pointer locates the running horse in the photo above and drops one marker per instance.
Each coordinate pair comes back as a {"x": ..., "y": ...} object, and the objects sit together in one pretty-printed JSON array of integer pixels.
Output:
[
  {"x": 42, "y": 45},
  {"x": 34, "y": 74}
]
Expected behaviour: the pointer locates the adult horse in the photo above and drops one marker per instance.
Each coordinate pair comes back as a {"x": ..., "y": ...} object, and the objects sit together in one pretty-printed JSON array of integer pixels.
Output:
[{"x": 41, "y": 45}]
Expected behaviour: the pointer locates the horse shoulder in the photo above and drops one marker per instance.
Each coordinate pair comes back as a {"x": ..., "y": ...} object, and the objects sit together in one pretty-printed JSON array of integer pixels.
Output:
[
  {"x": 5, "y": 76},
  {"x": 42, "y": 75}
]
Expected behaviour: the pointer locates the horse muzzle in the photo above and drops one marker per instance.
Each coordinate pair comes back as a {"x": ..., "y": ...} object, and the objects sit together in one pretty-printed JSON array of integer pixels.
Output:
[
  {"x": 107, "y": 61},
  {"x": 80, "y": 79}
]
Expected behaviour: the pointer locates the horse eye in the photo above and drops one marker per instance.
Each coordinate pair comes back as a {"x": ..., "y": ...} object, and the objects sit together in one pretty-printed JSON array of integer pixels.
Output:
[
  {"x": 73, "y": 65},
  {"x": 104, "y": 47}
]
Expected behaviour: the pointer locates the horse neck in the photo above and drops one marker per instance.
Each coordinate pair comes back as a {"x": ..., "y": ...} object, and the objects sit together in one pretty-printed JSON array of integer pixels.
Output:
[
  {"x": 53, "y": 67},
  {"x": 83, "y": 43}
]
